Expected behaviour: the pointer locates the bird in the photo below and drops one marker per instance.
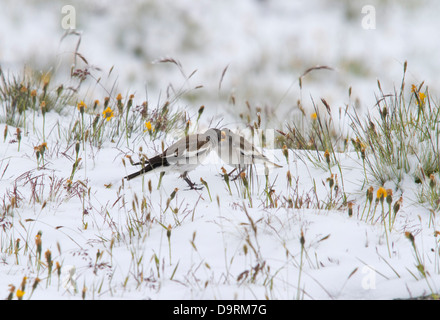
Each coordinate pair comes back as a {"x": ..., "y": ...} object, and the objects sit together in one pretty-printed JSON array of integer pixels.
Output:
[
  {"x": 183, "y": 156},
  {"x": 239, "y": 153}
]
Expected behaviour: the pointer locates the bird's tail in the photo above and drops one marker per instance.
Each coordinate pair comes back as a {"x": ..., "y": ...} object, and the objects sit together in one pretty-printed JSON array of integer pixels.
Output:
[
  {"x": 151, "y": 164},
  {"x": 138, "y": 173}
]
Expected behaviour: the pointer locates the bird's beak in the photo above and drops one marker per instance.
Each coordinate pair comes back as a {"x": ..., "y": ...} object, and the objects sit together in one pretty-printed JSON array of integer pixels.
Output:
[{"x": 223, "y": 136}]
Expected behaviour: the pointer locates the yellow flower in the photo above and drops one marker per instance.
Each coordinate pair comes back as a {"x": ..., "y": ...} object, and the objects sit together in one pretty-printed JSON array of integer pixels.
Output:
[
  {"x": 41, "y": 148},
  {"x": 381, "y": 193},
  {"x": 314, "y": 116},
  {"x": 108, "y": 114},
  {"x": 413, "y": 88},
  {"x": 148, "y": 126},
  {"x": 422, "y": 97},
  {"x": 20, "y": 294},
  {"x": 119, "y": 97},
  {"x": 81, "y": 106}
]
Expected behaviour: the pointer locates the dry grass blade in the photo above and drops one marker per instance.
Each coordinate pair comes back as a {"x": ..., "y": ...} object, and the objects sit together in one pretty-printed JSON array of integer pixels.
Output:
[
  {"x": 316, "y": 68},
  {"x": 222, "y": 76}
]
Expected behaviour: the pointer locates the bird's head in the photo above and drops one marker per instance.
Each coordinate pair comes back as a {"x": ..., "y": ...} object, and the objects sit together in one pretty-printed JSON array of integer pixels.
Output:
[{"x": 215, "y": 135}]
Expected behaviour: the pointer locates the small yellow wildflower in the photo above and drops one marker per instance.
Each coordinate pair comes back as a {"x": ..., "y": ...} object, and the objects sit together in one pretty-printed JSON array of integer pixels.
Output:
[
  {"x": 119, "y": 97},
  {"x": 422, "y": 97},
  {"x": 314, "y": 116},
  {"x": 20, "y": 294},
  {"x": 149, "y": 126},
  {"x": 41, "y": 148},
  {"x": 81, "y": 106},
  {"x": 33, "y": 93},
  {"x": 381, "y": 193},
  {"x": 413, "y": 88},
  {"x": 108, "y": 114}
]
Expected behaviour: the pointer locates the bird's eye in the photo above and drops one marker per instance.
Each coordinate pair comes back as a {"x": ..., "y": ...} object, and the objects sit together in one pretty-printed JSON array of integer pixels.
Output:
[{"x": 208, "y": 138}]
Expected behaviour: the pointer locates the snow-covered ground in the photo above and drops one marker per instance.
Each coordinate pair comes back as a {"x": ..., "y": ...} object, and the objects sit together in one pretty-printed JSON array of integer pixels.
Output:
[
  {"x": 215, "y": 236},
  {"x": 110, "y": 236}
]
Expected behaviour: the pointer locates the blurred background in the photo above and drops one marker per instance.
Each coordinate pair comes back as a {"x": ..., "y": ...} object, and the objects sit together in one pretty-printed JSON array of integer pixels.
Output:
[{"x": 226, "y": 53}]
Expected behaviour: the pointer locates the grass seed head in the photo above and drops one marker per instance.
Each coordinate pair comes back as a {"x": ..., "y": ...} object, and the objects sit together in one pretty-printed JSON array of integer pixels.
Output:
[
  {"x": 286, "y": 153},
  {"x": 410, "y": 237},
  {"x": 289, "y": 177},
  {"x": 432, "y": 181},
  {"x": 169, "y": 231},
  {"x": 389, "y": 196},
  {"x": 43, "y": 107},
  {"x": 201, "y": 109},
  {"x": 302, "y": 240},
  {"x": 363, "y": 153},
  {"x": 327, "y": 156},
  {"x": 397, "y": 205},
  {"x": 350, "y": 208},
  {"x": 370, "y": 194}
]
